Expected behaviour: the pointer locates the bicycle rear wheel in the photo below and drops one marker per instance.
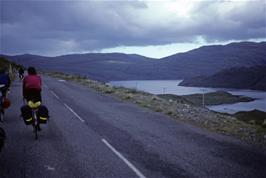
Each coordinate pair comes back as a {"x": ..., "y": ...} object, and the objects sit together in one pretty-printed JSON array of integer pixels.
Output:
[
  {"x": 36, "y": 132},
  {"x": 34, "y": 116}
]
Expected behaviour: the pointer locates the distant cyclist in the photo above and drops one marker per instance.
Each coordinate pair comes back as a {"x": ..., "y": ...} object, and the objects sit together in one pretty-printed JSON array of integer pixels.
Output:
[
  {"x": 32, "y": 86},
  {"x": 21, "y": 73}
]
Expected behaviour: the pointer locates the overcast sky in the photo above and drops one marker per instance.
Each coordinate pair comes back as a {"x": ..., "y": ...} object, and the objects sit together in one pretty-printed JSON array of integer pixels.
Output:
[{"x": 150, "y": 28}]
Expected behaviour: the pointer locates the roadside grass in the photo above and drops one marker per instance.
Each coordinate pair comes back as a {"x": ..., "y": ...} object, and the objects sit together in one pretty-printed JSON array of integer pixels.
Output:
[
  {"x": 11, "y": 66},
  {"x": 179, "y": 109}
]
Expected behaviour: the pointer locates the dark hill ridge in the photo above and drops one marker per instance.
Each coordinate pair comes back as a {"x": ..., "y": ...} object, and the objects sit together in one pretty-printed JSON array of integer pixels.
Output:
[
  {"x": 208, "y": 60},
  {"x": 205, "y": 60},
  {"x": 241, "y": 78}
]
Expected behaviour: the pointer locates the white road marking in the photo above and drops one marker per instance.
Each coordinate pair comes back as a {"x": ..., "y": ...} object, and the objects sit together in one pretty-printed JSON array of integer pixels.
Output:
[
  {"x": 54, "y": 94},
  {"x": 49, "y": 168},
  {"x": 61, "y": 80},
  {"x": 130, "y": 165},
  {"x": 70, "y": 109},
  {"x": 45, "y": 86}
]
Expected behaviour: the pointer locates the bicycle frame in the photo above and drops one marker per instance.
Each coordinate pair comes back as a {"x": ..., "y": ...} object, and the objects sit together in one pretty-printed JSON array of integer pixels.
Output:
[{"x": 35, "y": 123}]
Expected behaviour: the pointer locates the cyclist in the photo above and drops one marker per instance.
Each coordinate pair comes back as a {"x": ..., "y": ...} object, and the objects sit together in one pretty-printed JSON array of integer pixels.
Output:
[
  {"x": 32, "y": 86},
  {"x": 4, "y": 87},
  {"x": 21, "y": 73},
  {"x": 4, "y": 81}
]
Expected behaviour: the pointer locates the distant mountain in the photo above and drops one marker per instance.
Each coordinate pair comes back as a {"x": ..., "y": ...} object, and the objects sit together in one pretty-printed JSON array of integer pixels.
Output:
[
  {"x": 205, "y": 60},
  {"x": 241, "y": 78},
  {"x": 99, "y": 66},
  {"x": 208, "y": 60}
]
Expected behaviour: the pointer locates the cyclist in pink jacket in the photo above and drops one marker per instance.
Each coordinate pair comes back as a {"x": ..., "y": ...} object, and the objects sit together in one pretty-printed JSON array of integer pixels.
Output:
[{"x": 32, "y": 86}]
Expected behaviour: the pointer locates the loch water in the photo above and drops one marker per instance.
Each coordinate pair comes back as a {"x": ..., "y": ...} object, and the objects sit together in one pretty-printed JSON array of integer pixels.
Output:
[{"x": 172, "y": 87}]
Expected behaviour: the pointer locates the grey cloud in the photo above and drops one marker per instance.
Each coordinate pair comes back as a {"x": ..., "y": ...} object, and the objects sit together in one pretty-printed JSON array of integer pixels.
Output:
[
  {"x": 237, "y": 24},
  {"x": 54, "y": 27}
]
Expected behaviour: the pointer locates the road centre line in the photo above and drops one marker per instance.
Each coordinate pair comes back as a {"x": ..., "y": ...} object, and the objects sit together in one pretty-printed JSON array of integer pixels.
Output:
[
  {"x": 54, "y": 94},
  {"x": 129, "y": 164},
  {"x": 70, "y": 109},
  {"x": 46, "y": 86}
]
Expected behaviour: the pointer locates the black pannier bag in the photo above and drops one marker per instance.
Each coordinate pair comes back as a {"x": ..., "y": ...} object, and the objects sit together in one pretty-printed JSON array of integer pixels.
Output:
[
  {"x": 26, "y": 114},
  {"x": 43, "y": 114}
]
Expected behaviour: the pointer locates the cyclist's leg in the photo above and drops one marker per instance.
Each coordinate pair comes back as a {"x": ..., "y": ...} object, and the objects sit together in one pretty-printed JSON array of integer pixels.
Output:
[
  {"x": 3, "y": 91},
  {"x": 27, "y": 95},
  {"x": 40, "y": 96}
]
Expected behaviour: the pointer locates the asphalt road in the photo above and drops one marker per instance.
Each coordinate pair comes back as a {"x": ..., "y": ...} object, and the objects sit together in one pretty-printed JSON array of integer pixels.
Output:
[{"x": 93, "y": 135}]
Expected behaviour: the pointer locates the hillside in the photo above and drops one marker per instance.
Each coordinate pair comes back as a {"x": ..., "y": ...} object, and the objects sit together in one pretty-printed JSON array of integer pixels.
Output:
[
  {"x": 205, "y": 60},
  {"x": 208, "y": 60},
  {"x": 4, "y": 63},
  {"x": 241, "y": 78},
  {"x": 99, "y": 66}
]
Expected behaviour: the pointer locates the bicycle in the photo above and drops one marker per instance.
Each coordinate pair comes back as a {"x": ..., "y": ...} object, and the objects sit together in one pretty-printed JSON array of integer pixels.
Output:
[
  {"x": 37, "y": 118},
  {"x": 2, "y": 112}
]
